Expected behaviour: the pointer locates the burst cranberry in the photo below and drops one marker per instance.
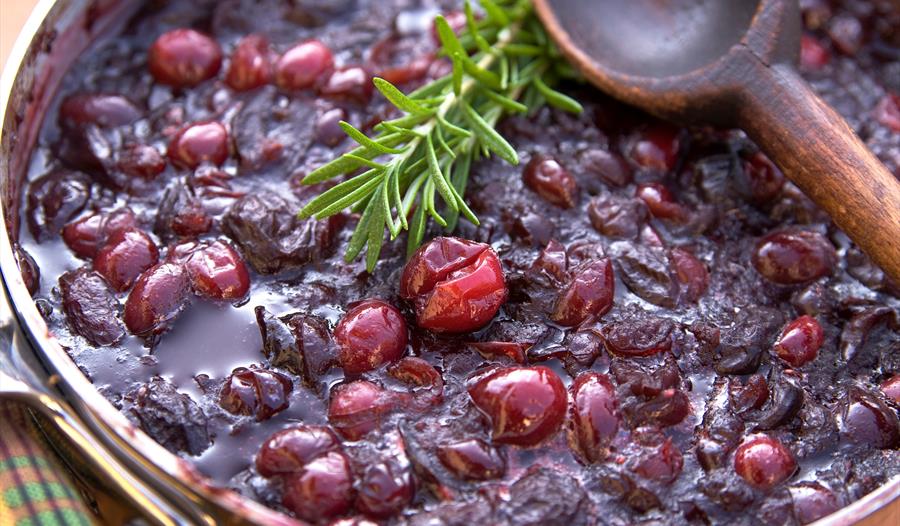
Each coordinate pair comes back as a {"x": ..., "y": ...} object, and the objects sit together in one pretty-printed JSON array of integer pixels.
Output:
[
  {"x": 472, "y": 460},
  {"x": 457, "y": 285},
  {"x": 183, "y": 58},
  {"x": 125, "y": 256},
  {"x": 218, "y": 272},
  {"x": 891, "y": 388},
  {"x": 322, "y": 490},
  {"x": 751, "y": 394},
  {"x": 350, "y": 83},
  {"x": 303, "y": 65},
  {"x": 551, "y": 181},
  {"x": 87, "y": 235},
  {"x": 31, "y": 273},
  {"x": 370, "y": 335},
  {"x": 384, "y": 490},
  {"x": 199, "y": 143},
  {"x": 691, "y": 272},
  {"x": 812, "y": 501},
  {"x": 764, "y": 462},
  {"x": 642, "y": 336},
  {"x": 158, "y": 297},
  {"x": 794, "y": 256},
  {"x": 140, "y": 160},
  {"x": 593, "y": 416},
  {"x": 513, "y": 351},
  {"x": 660, "y": 201},
  {"x": 526, "y": 405},
  {"x": 864, "y": 419},
  {"x": 656, "y": 147},
  {"x": 761, "y": 180},
  {"x": 288, "y": 450},
  {"x": 255, "y": 392},
  {"x": 416, "y": 371},
  {"x": 887, "y": 112},
  {"x": 589, "y": 294},
  {"x": 358, "y": 407},
  {"x": 328, "y": 128},
  {"x": 106, "y": 111},
  {"x": 251, "y": 64},
  {"x": 663, "y": 464},
  {"x": 669, "y": 408},
  {"x": 813, "y": 55},
  {"x": 800, "y": 341}
]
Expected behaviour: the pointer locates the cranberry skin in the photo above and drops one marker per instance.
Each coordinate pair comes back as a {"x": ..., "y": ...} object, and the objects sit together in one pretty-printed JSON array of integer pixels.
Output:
[
  {"x": 328, "y": 129},
  {"x": 762, "y": 180},
  {"x": 550, "y": 180},
  {"x": 457, "y": 285},
  {"x": 255, "y": 392},
  {"x": 526, "y": 405},
  {"x": 322, "y": 490},
  {"x": 593, "y": 416},
  {"x": 217, "y": 272},
  {"x": 492, "y": 350},
  {"x": 351, "y": 83},
  {"x": 812, "y": 501},
  {"x": 472, "y": 460},
  {"x": 31, "y": 273},
  {"x": 891, "y": 388},
  {"x": 794, "y": 256},
  {"x": 140, "y": 160},
  {"x": 199, "y": 143},
  {"x": 87, "y": 235},
  {"x": 691, "y": 272},
  {"x": 416, "y": 371},
  {"x": 813, "y": 55},
  {"x": 105, "y": 111},
  {"x": 370, "y": 335},
  {"x": 589, "y": 294},
  {"x": 358, "y": 407},
  {"x": 125, "y": 256},
  {"x": 669, "y": 408},
  {"x": 385, "y": 490},
  {"x": 288, "y": 450},
  {"x": 764, "y": 462},
  {"x": 251, "y": 64},
  {"x": 183, "y": 58},
  {"x": 800, "y": 341},
  {"x": 866, "y": 420},
  {"x": 644, "y": 336},
  {"x": 663, "y": 465},
  {"x": 656, "y": 148},
  {"x": 660, "y": 201},
  {"x": 159, "y": 295},
  {"x": 303, "y": 65}
]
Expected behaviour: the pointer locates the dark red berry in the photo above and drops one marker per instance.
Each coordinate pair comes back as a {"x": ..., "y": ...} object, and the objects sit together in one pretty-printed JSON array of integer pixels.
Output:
[
  {"x": 813, "y": 55},
  {"x": 370, "y": 335},
  {"x": 183, "y": 58},
  {"x": 200, "y": 143},
  {"x": 126, "y": 255},
  {"x": 328, "y": 129},
  {"x": 140, "y": 160},
  {"x": 794, "y": 256},
  {"x": 351, "y": 83},
  {"x": 218, "y": 272},
  {"x": 31, "y": 273},
  {"x": 303, "y": 65},
  {"x": 812, "y": 501},
  {"x": 158, "y": 296},
  {"x": 669, "y": 408},
  {"x": 551, "y": 181},
  {"x": 472, "y": 460},
  {"x": 800, "y": 341},
  {"x": 593, "y": 416},
  {"x": 761, "y": 181},
  {"x": 288, "y": 450},
  {"x": 359, "y": 407},
  {"x": 643, "y": 336},
  {"x": 106, "y": 111},
  {"x": 656, "y": 147},
  {"x": 891, "y": 388},
  {"x": 663, "y": 464},
  {"x": 660, "y": 201},
  {"x": 764, "y": 462},
  {"x": 321, "y": 490},
  {"x": 87, "y": 235},
  {"x": 251, "y": 64},
  {"x": 255, "y": 392},
  {"x": 493, "y": 350},
  {"x": 866, "y": 420},
  {"x": 691, "y": 272},
  {"x": 588, "y": 295},
  {"x": 384, "y": 490}
]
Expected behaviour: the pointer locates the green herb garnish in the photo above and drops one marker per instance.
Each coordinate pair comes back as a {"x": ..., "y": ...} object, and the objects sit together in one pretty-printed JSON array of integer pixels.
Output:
[{"x": 502, "y": 64}]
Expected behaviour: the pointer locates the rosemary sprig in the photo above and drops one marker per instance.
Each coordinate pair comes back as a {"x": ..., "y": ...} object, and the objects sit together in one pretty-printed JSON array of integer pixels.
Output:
[{"x": 503, "y": 63}]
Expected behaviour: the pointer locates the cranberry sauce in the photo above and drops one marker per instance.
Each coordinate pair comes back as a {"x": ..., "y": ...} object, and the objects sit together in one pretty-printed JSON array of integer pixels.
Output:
[{"x": 651, "y": 325}]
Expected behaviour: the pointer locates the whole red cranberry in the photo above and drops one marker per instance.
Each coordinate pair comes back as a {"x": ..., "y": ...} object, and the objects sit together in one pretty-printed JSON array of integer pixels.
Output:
[
  {"x": 183, "y": 58},
  {"x": 288, "y": 450},
  {"x": 351, "y": 83},
  {"x": 891, "y": 388},
  {"x": 472, "y": 460},
  {"x": 358, "y": 407},
  {"x": 812, "y": 501},
  {"x": 217, "y": 272},
  {"x": 303, "y": 65},
  {"x": 588, "y": 295},
  {"x": 663, "y": 464},
  {"x": 158, "y": 296},
  {"x": 125, "y": 256},
  {"x": 87, "y": 235},
  {"x": 526, "y": 405},
  {"x": 141, "y": 160},
  {"x": 457, "y": 285},
  {"x": 660, "y": 201},
  {"x": 866, "y": 420},
  {"x": 813, "y": 55},
  {"x": 200, "y": 143},
  {"x": 322, "y": 490},
  {"x": 370, "y": 335},
  {"x": 800, "y": 341},
  {"x": 656, "y": 147},
  {"x": 593, "y": 416},
  {"x": 105, "y": 111},
  {"x": 255, "y": 392},
  {"x": 251, "y": 64},
  {"x": 384, "y": 490},
  {"x": 794, "y": 256},
  {"x": 764, "y": 462},
  {"x": 547, "y": 177}
]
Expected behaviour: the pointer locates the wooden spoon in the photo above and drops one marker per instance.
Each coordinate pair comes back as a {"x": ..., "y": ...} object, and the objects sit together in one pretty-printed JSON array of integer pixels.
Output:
[{"x": 729, "y": 63}]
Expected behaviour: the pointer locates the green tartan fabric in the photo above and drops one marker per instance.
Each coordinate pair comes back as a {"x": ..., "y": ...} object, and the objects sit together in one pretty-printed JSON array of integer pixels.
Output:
[{"x": 34, "y": 489}]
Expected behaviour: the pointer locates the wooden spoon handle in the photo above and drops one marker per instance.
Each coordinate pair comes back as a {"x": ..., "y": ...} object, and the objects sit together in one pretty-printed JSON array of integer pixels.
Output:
[{"x": 819, "y": 152}]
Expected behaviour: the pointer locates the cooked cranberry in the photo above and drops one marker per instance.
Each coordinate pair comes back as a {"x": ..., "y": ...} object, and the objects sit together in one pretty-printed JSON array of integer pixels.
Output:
[
  {"x": 87, "y": 235},
  {"x": 125, "y": 256},
  {"x": 640, "y": 336},
  {"x": 511, "y": 350},
  {"x": 251, "y": 64},
  {"x": 864, "y": 419},
  {"x": 887, "y": 112},
  {"x": 642, "y": 379},
  {"x": 199, "y": 143},
  {"x": 617, "y": 216},
  {"x": 106, "y": 111},
  {"x": 552, "y": 261},
  {"x": 691, "y": 272},
  {"x": 660, "y": 201},
  {"x": 414, "y": 70},
  {"x": 764, "y": 462},
  {"x": 181, "y": 215},
  {"x": 140, "y": 160},
  {"x": 384, "y": 490},
  {"x": 891, "y": 388},
  {"x": 158, "y": 297},
  {"x": 812, "y": 501},
  {"x": 303, "y": 65},
  {"x": 472, "y": 460},
  {"x": 31, "y": 273},
  {"x": 358, "y": 407},
  {"x": 794, "y": 256},
  {"x": 800, "y": 341},
  {"x": 656, "y": 147},
  {"x": 752, "y": 394},
  {"x": 610, "y": 167},
  {"x": 526, "y": 405},
  {"x": 457, "y": 285},
  {"x": 255, "y": 392},
  {"x": 54, "y": 200},
  {"x": 328, "y": 129},
  {"x": 813, "y": 55},
  {"x": 91, "y": 309},
  {"x": 351, "y": 83},
  {"x": 761, "y": 180},
  {"x": 593, "y": 416},
  {"x": 589, "y": 294},
  {"x": 183, "y": 58},
  {"x": 846, "y": 33},
  {"x": 288, "y": 450},
  {"x": 323, "y": 489},
  {"x": 218, "y": 272},
  {"x": 416, "y": 371},
  {"x": 669, "y": 408},
  {"x": 551, "y": 181},
  {"x": 663, "y": 464},
  {"x": 370, "y": 335}
]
